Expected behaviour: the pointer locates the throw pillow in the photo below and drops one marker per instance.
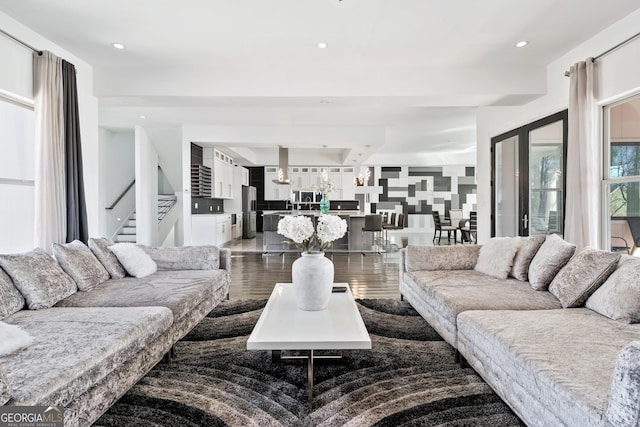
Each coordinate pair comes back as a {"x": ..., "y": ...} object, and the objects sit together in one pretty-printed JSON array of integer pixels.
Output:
[
  {"x": 550, "y": 258},
  {"x": 619, "y": 297},
  {"x": 77, "y": 260},
  {"x": 583, "y": 274},
  {"x": 12, "y": 339},
  {"x": 11, "y": 301},
  {"x": 624, "y": 392},
  {"x": 134, "y": 259},
  {"x": 5, "y": 391},
  {"x": 184, "y": 257},
  {"x": 496, "y": 256},
  {"x": 100, "y": 248},
  {"x": 525, "y": 254},
  {"x": 38, "y": 278}
]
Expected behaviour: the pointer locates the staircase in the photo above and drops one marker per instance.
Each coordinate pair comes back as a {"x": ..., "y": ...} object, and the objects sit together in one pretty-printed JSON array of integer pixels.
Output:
[{"x": 128, "y": 231}]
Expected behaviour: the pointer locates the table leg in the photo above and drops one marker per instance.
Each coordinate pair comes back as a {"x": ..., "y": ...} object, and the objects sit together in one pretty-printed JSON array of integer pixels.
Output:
[{"x": 310, "y": 376}]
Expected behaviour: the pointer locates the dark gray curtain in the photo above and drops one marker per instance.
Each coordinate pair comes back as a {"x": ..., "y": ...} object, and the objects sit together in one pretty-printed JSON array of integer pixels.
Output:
[{"x": 77, "y": 227}]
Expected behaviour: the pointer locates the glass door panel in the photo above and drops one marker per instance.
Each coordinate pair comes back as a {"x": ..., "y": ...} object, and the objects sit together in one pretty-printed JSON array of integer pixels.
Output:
[
  {"x": 546, "y": 179},
  {"x": 507, "y": 194},
  {"x": 528, "y": 178}
]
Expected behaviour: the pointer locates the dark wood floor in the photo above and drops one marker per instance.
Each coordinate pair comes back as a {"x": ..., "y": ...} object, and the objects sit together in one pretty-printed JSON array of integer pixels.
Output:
[{"x": 372, "y": 276}]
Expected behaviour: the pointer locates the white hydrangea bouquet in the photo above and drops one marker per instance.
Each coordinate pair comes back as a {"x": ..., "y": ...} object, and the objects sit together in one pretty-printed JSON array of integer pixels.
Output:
[{"x": 300, "y": 230}]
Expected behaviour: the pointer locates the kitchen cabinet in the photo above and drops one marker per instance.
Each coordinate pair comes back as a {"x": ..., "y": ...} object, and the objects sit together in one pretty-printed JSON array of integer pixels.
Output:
[
  {"x": 237, "y": 228},
  {"x": 348, "y": 189},
  {"x": 245, "y": 176},
  {"x": 273, "y": 191},
  {"x": 306, "y": 178},
  {"x": 223, "y": 229},
  {"x": 211, "y": 229},
  {"x": 300, "y": 178},
  {"x": 222, "y": 175},
  {"x": 203, "y": 230}
]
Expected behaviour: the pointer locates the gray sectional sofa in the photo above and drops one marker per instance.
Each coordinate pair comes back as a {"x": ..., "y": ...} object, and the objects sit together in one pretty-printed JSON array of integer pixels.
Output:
[
  {"x": 560, "y": 344},
  {"x": 91, "y": 346}
]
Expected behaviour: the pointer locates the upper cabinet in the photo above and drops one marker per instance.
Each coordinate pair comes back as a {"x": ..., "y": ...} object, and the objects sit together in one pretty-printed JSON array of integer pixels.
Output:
[
  {"x": 273, "y": 190},
  {"x": 222, "y": 167},
  {"x": 307, "y": 178}
]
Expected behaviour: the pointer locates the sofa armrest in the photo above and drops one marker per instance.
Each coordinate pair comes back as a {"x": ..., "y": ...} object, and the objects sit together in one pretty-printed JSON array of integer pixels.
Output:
[
  {"x": 624, "y": 395},
  {"x": 225, "y": 259},
  {"x": 430, "y": 258}
]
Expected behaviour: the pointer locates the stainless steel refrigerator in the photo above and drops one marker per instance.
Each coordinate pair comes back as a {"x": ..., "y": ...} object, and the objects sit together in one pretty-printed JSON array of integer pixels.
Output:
[{"x": 249, "y": 205}]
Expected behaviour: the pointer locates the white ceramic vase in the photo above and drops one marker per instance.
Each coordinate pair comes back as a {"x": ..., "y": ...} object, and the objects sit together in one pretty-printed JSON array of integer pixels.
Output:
[{"x": 313, "y": 280}]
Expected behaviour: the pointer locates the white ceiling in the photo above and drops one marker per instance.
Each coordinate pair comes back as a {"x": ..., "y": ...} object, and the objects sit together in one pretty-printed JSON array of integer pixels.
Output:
[{"x": 402, "y": 76}]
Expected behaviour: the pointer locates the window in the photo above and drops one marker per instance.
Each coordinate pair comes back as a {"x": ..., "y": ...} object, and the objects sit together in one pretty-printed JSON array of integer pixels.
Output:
[
  {"x": 622, "y": 175},
  {"x": 17, "y": 174}
]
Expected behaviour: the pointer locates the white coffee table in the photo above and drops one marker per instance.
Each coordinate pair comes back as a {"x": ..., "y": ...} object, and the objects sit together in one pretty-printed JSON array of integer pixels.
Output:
[{"x": 283, "y": 326}]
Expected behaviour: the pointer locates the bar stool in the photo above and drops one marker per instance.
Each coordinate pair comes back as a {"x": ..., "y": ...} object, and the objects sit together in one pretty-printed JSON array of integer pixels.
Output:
[
  {"x": 344, "y": 241},
  {"x": 373, "y": 224}
]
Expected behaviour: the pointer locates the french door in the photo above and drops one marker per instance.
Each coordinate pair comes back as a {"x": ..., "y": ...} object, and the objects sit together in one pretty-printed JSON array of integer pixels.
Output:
[{"x": 527, "y": 178}]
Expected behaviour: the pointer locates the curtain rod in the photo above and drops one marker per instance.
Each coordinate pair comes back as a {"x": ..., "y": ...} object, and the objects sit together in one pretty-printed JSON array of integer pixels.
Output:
[
  {"x": 28, "y": 46},
  {"x": 608, "y": 51}
]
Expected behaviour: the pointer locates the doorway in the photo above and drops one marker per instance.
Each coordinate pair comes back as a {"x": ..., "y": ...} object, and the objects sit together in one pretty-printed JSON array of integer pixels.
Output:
[{"x": 527, "y": 178}]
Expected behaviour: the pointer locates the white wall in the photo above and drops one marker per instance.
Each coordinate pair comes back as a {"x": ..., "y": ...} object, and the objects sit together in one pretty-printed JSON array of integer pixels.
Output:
[
  {"x": 146, "y": 189},
  {"x": 117, "y": 171},
  {"x": 17, "y": 77},
  {"x": 618, "y": 77}
]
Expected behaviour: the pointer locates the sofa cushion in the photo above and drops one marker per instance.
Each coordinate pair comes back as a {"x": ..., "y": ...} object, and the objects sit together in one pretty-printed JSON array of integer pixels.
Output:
[
  {"x": 11, "y": 300},
  {"x": 100, "y": 248},
  {"x": 134, "y": 260},
  {"x": 619, "y": 296},
  {"x": 184, "y": 257},
  {"x": 75, "y": 348},
  {"x": 527, "y": 250},
  {"x": 449, "y": 293},
  {"x": 179, "y": 291},
  {"x": 583, "y": 274},
  {"x": 550, "y": 258},
  {"x": 77, "y": 260},
  {"x": 496, "y": 256},
  {"x": 624, "y": 400},
  {"x": 5, "y": 391},
  {"x": 457, "y": 257},
  {"x": 564, "y": 359},
  {"x": 38, "y": 278}
]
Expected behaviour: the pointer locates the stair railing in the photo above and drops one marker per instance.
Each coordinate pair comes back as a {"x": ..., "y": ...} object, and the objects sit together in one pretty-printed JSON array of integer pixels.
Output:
[{"x": 121, "y": 196}]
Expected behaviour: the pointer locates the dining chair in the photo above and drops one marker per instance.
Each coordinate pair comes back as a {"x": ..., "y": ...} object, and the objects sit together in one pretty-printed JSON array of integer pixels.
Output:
[
  {"x": 455, "y": 216},
  {"x": 470, "y": 232},
  {"x": 439, "y": 228}
]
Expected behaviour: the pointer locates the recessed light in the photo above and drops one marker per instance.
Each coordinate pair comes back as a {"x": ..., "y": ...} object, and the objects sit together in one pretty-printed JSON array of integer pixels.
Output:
[
  {"x": 522, "y": 43},
  {"x": 118, "y": 46},
  {"x": 322, "y": 45},
  {"x": 143, "y": 117}
]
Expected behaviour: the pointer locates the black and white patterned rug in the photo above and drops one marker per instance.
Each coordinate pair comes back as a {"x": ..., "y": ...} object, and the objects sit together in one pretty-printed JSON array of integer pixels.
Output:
[{"x": 409, "y": 377}]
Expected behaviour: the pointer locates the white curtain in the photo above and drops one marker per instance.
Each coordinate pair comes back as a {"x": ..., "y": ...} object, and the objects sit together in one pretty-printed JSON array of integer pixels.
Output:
[
  {"x": 582, "y": 220},
  {"x": 50, "y": 179}
]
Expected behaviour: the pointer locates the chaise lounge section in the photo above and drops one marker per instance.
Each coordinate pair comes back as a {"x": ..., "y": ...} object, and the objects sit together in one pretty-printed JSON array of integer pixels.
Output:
[
  {"x": 560, "y": 345},
  {"x": 92, "y": 346}
]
